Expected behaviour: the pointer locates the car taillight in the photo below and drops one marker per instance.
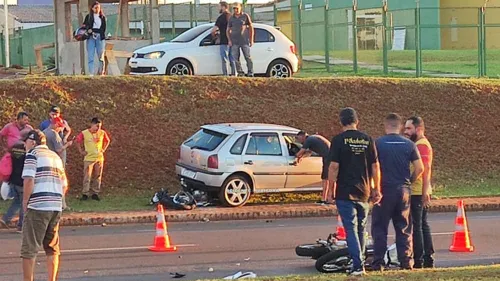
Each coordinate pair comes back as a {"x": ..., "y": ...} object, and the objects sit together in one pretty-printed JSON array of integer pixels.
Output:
[
  {"x": 213, "y": 162},
  {"x": 293, "y": 49}
]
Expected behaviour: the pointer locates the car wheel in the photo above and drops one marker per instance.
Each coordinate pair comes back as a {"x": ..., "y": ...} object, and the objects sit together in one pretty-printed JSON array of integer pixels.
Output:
[
  {"x": 279, "y": 69},
  {"x": 235, "y": 192},
  {"x": 179, "y": 67},
  {"x": 335, "y": 261}
]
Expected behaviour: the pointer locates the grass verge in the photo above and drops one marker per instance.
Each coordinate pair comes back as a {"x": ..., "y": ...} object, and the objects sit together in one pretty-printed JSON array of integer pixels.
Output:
[
  {"x": 485, "y": 273},
  {"x": 446, "y": 61}
]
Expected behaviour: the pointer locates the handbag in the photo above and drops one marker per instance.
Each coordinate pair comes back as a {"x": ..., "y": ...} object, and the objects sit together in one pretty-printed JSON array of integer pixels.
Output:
[{"x": 6, "y": 167}]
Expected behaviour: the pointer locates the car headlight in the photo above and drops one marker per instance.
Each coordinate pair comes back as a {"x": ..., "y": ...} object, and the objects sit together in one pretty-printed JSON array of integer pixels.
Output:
[{"x": 154, "y": 55}]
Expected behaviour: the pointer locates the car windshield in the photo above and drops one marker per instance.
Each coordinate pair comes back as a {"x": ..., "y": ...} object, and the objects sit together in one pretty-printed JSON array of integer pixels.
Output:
[
  {"x": 205, "y": 139},
  {"x": 191, "y": 34}
]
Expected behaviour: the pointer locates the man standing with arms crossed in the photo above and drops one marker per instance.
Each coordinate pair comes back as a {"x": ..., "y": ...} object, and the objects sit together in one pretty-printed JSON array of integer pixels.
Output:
[
  {"x": 44, "y": 185},
  {"x": 240, "y": 34},
  {"x": 321, "y": 146},
  {"x": 353, "y": 166},
  {"x": 395, "y": 154},
  {"x": 225, "y": 50},
  {"x": 423, "y": 249}
]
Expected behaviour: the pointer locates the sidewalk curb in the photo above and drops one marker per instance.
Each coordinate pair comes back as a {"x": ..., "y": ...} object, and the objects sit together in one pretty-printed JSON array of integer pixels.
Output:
[{"x": 226, "y": 214}]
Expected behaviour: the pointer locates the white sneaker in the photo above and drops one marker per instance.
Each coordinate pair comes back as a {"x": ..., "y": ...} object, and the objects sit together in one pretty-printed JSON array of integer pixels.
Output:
[{"x": 357, "y": 272}]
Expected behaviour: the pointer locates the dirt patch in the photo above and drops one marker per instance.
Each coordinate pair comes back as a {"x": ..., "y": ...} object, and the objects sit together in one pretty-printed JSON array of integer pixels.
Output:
[{"x": 148, "y": 117}]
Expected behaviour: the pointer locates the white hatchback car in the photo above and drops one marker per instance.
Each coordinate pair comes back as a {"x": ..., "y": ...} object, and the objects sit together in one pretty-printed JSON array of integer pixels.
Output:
[
  {"x": 194, "y": 52},
  {"x": 235, "y": 160}
]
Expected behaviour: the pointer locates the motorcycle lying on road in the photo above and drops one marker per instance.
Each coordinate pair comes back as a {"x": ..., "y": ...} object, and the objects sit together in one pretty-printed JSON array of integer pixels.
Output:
[{"x": 332, "y": 255}]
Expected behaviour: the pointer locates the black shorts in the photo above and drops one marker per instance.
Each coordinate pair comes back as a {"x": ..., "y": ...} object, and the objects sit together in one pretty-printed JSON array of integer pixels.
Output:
[{"x": 324, "y": 172}]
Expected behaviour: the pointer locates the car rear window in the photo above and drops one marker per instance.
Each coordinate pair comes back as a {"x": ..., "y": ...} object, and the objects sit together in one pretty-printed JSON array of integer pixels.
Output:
[{"x": 205, "y": 139}]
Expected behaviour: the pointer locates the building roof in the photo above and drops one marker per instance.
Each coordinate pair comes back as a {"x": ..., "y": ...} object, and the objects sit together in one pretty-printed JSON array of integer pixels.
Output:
[
  {"x": 38, "y": 13},
  {"x": 32, "y": 13}
]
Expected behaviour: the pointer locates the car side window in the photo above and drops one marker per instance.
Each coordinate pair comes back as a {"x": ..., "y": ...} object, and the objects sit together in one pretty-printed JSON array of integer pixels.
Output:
[
  {"x": 294, "y": 146},
  {"x": 263, "y": 36},
  {"x": 264, "y": 144},
  {"x": 208, "y": 41},
  {"x": 238, "y": 146}
]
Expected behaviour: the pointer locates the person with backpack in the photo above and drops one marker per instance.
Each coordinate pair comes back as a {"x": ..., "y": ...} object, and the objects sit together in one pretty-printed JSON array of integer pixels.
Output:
[{"x": 16, "y": 182}]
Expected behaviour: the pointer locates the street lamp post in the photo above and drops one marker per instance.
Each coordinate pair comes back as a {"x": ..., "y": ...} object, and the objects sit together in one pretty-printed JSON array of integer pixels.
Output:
[{"x": 6, "y": 32}]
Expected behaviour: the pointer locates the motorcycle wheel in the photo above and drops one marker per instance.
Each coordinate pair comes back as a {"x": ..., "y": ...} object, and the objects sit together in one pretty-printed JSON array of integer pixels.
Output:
[
  {"x": 311, "y": 250},
  {"x": 335, "y": 261}
]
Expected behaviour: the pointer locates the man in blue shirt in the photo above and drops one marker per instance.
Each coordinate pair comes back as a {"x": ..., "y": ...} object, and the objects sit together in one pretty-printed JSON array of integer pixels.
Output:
[{"x": 395, "y": 154}]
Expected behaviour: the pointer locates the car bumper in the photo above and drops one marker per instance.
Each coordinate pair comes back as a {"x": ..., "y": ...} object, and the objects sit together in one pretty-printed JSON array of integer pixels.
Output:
[
  {"x": 146, "y": 67},
  {"x": 200, "y": 179},
  {"x": 294, "y": 63}
]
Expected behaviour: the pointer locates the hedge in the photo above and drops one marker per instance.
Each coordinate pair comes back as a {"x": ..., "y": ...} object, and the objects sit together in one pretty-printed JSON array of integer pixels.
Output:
[{"x": 149, "y": 117}]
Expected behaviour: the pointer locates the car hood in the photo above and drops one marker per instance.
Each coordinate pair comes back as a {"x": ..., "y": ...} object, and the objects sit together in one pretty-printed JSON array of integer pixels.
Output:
[{"x": 167, "y": 46}]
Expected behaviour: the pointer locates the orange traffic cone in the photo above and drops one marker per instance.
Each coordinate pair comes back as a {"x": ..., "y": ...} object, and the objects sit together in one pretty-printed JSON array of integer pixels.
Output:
[
  {"x": 461, "y": 240},
  {"x": 162, "y": 240},
  {"x": 340, "y": 229}
]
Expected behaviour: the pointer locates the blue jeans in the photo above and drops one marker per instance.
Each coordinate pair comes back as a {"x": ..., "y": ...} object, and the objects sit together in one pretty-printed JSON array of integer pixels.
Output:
[
  {"x": 225, "y": 54},
  {"x": 95, "y": 45},
  {"x": 354, "y": 215},
  {"x": 14, "y": 206},
  {"x": 245, "y": 49}
]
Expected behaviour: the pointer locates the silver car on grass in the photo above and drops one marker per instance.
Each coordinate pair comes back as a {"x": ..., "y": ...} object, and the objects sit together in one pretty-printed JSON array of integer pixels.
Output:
[{"x": 235, "y": 160}]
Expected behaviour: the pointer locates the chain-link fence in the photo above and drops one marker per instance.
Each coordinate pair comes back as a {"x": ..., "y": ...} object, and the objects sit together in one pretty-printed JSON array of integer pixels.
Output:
[{"x": 380, "y": 41}]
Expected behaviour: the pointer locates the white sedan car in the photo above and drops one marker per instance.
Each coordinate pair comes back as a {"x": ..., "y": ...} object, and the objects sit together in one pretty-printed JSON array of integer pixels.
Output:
[{"x": 194, "y": 52}]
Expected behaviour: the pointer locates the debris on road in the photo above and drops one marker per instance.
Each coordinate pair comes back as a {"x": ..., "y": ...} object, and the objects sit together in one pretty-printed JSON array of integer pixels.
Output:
[
  {"x": 211, "y": 270},
  {"x": 104, "y": 224},
  {"x": 205, "y": 220},
  {"x": 247, "y": 259},
  {"x": 85, "y": 271},
  {"x": 177, "y": 275},
  {"x": 241, "y": 275}
]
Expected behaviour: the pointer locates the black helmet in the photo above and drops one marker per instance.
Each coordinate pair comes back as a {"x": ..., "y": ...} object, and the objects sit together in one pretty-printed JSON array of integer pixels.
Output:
[{"x": 81, "y": 34}]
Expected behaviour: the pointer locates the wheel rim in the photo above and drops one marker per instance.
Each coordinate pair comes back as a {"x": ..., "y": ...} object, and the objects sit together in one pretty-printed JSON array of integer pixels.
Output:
[
  {"x": 179, "y": 69},
  {"x": 280, "y": 70},
  {"x": 237, "y": 192}
]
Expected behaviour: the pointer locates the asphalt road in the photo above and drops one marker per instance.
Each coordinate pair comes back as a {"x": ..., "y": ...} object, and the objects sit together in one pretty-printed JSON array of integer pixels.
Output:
[{"x": 119, "y": 253}]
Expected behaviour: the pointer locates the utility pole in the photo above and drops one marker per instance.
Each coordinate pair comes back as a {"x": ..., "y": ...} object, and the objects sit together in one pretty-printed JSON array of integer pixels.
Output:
[{"x": 6, "y": 32}]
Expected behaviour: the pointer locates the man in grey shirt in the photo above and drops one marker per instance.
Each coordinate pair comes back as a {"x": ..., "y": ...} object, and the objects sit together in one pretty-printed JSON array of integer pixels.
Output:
[
  {"x": 240, "y": 34},
  {"x": 56, "y": 143}
]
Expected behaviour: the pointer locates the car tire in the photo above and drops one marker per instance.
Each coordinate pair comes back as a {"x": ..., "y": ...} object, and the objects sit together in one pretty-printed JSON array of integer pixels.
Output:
[
  {"x": 279, "y": 69},
  {"x": 235, "y": 191},
  {"x": 179, "y": 67},
  {"x": 334, "y": 261}
]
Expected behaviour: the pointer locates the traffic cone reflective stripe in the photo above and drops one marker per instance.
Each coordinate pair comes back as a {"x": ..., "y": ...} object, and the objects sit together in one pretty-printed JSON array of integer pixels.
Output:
[
  {"x": 340, "y": 229},
  {"x": 162, "y": 239},
  {"x": 461, "y": 240}
]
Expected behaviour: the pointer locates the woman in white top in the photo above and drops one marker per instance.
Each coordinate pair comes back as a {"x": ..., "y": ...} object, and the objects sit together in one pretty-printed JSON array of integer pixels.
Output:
[{"x": 95, "y": 23}]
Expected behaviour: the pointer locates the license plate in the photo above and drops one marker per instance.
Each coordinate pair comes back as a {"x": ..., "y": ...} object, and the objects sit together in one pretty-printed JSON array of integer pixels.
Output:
[{"x": 188, "y": 173}]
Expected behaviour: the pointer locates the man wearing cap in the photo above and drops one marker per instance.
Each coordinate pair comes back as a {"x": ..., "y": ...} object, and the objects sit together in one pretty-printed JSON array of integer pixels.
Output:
[
  {"x": 95, "y": 142},
  {"x": 56, "y": 143},
  {"x": 54, "y": 112},
  {"x": 42, "y": 203}
]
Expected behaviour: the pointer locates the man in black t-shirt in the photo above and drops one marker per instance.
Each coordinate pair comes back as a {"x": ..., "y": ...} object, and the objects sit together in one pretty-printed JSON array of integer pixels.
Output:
[
  {"x": 16, "y": 184},
  {"x": 353, "y": 166},
  {"x": 321, "y": 146},
  {"x": 225, "y": 50}
]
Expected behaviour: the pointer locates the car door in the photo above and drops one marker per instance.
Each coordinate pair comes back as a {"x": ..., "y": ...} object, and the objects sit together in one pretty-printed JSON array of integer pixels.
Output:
[
  {"x": 208, "y": 56},
  {"x": 305, "y": 175},
  {"x": 261, "y": 51},
  {"x": 264, "y": 156}
]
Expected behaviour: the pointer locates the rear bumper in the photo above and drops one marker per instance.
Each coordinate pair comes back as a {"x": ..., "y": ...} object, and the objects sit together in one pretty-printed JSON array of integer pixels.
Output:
[{"x": 202, "y": 180}]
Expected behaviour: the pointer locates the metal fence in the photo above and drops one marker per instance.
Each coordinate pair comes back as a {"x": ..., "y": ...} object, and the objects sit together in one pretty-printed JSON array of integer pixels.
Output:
[{"x": 420, "y": 41}]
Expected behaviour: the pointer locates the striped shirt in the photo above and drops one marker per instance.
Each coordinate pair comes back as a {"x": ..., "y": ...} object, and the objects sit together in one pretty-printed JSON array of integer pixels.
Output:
[{"x": 46, "y": 167}]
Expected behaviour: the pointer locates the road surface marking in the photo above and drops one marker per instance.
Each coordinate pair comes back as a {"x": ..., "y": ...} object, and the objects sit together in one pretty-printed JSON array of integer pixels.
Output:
[{"x": 115, "y": 249}]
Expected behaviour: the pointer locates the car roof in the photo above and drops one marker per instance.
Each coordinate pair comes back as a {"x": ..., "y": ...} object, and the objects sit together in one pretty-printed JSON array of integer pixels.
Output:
[
  {"x": 260, "y": 25},
  {"x": 231, "y": 128}
]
